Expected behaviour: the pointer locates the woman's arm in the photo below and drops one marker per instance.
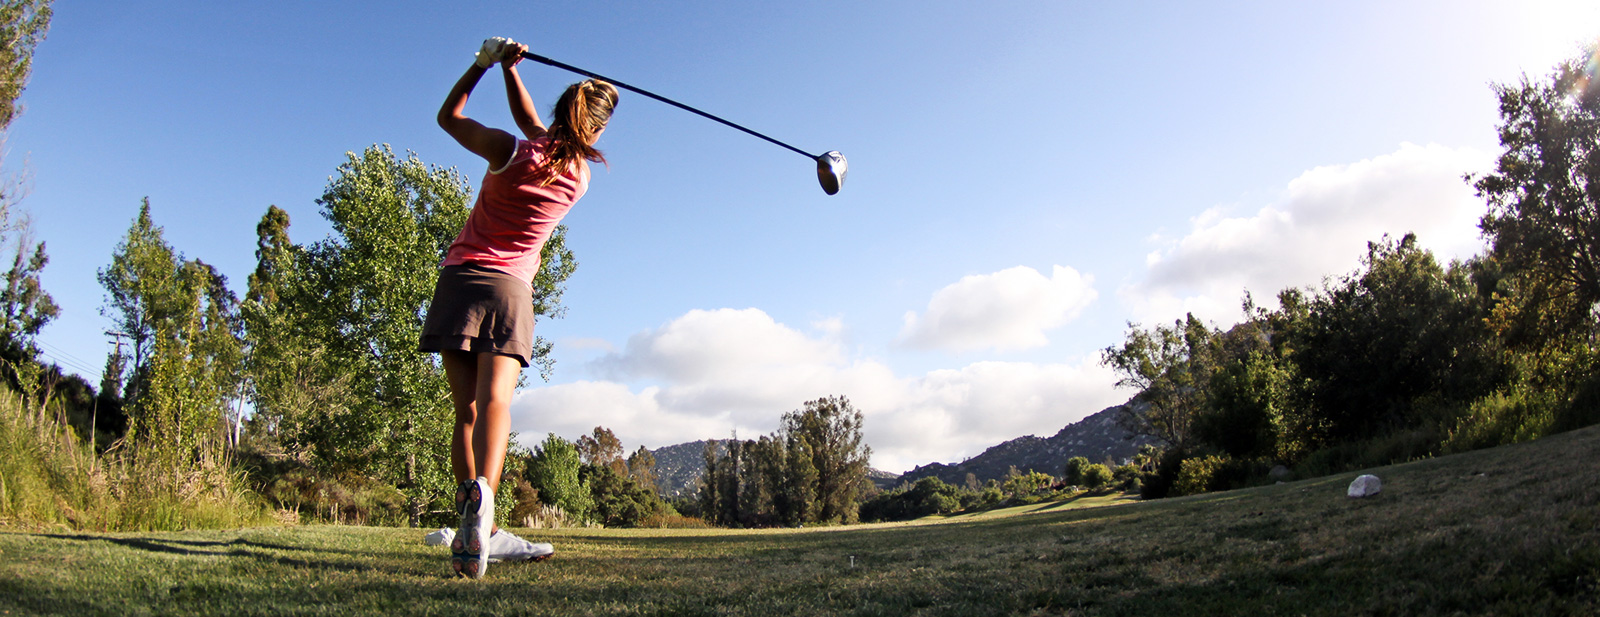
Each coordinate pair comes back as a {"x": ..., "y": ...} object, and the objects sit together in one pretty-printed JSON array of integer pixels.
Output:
[
  {"x": 522, "y": 109},
  {"x": 494, "y": 145}
]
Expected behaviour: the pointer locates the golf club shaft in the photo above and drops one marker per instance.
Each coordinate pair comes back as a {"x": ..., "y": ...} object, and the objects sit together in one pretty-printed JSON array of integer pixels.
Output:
[{"x": 562, "y": 65}]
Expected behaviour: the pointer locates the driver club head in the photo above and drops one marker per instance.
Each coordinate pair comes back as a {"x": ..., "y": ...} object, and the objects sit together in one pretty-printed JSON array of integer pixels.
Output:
[{"x": 831, "y": 168}]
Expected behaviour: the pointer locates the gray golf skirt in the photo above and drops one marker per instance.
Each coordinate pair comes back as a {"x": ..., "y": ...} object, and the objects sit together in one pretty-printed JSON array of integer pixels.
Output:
[{"x": 479, "y": 310}]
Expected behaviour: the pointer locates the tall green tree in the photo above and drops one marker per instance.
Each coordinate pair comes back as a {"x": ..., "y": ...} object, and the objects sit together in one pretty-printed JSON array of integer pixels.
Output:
[
  {"x": 833, "y": 430},
  {"x": 292, "y": 384},
  {"x": 1544, "y": 201},
  {"x": 1171, "y": 368},
  {"x": 23, "y": 25},
  {"x": 25, "y": 304},
  {"x": 554, "y": 471},
  {"x": 1381, "y": 348},
  {"x": 795, "y": 497},
  {"x": 142, "y": 292},
  {"x": 25, "y": 307},
  {"x": 371, "y": 283},
  {"x": 185, "y": 326}
]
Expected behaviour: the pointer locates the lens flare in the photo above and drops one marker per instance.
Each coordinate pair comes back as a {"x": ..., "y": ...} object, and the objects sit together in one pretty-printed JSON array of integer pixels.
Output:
[{"x": 1591, "y": 69}]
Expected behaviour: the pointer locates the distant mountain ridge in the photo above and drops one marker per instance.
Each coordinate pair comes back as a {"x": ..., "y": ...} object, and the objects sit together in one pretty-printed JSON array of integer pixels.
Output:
[
  {"x": 679, "y": 467},
  {"x": 1097, "y": 438}
]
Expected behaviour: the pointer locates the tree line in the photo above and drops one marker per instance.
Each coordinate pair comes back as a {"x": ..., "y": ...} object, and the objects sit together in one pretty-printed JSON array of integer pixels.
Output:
[
  {"x": 1405, "y": 357},
  {"x": 813, "y": 469}
]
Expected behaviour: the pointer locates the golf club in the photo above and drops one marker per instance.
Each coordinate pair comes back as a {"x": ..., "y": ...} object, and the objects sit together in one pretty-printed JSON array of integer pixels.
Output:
[{"x": 831, "y": 166}]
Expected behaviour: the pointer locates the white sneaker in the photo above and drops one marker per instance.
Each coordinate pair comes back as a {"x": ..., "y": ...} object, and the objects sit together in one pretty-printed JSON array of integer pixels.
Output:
[
  {"x": 504, "y": 546},
  {"x": 441, "y": 537}
]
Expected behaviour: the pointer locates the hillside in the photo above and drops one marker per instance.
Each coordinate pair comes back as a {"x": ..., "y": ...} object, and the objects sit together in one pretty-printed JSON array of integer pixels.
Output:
[
  {"x": 1506, "y": 531},
  {"x": 1097, "y": 438},
  {"x": 678, "y": 467}
]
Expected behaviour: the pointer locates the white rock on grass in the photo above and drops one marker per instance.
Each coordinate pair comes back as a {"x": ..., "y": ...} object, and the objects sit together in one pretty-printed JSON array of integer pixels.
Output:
[{"x": 1365, "y": 486}]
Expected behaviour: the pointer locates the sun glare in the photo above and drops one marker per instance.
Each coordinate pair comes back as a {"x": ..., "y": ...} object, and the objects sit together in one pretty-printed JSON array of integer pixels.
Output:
[{"x": 1556, "y": 30}]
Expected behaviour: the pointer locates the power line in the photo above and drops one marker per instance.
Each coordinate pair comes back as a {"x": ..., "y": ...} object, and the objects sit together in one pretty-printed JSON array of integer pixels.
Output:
[
  {"x": 62, "y": 353},
  {"x": 62, "y": 358}
]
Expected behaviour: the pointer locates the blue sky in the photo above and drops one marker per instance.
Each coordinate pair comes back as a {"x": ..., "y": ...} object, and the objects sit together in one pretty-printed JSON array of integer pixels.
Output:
[{"x": 1026, "y": 178}]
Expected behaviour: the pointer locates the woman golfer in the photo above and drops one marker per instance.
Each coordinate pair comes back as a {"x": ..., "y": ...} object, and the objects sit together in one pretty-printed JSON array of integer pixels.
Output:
[{"x": 481, "y": 318}]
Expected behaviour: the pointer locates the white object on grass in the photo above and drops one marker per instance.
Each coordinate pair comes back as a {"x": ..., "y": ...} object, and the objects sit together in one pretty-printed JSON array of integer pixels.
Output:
[
  {"x": 503, "y": 545},
  {"x": 1365, "y": 486},
  {"x": 441, "y": 537}
]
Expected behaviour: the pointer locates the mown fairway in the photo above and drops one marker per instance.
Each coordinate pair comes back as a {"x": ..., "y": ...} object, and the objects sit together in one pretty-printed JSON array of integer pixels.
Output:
[{"x": 1506, "y": 531}]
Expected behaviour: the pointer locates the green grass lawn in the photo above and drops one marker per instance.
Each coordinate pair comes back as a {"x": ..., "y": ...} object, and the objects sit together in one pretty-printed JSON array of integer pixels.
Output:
[{"x": 1511, "y": 530}]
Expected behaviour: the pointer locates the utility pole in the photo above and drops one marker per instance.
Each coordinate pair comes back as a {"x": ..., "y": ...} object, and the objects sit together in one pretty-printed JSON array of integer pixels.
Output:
[{"x": 94, "y": 410}]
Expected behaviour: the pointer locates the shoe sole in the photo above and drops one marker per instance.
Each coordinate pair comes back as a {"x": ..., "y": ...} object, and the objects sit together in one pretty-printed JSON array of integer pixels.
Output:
[{"x": 467, "y": 558}]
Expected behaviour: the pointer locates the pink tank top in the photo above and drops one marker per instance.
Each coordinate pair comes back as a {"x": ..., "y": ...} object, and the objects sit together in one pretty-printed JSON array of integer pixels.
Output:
[{"x": 514, "y": 216}]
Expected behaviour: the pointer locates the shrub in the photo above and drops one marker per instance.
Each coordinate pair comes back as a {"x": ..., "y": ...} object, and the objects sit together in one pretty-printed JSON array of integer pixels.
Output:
[
  {"x": 1027, "y": 484},
  {"x": 1196, "y": 475},
  {"x": 1094, "y": 477},
  {"x": 673, "y": 520},
  {"x": 1073, "y": 472},
  {"x": 1502, "y": 418}
]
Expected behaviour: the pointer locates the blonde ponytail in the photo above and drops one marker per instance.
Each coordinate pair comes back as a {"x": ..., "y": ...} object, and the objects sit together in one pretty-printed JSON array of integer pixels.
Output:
[{"x": 580, "y": 114}]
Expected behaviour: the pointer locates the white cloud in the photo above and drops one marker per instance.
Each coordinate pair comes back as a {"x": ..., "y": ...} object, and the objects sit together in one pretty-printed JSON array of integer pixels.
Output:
[
  {"x": 724, "y": 370},
  {"x": 1007, "y": 310},
  {"x": 1318, "y": 228}
]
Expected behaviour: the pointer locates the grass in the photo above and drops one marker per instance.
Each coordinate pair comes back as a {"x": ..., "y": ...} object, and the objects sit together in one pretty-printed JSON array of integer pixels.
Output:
[
  {"x": 51, "y": 479},
  {"x": 1513, "y": 530}
]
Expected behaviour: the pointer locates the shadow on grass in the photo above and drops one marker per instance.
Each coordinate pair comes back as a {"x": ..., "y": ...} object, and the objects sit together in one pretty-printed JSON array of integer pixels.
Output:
[{"x": 238, "y": 547}]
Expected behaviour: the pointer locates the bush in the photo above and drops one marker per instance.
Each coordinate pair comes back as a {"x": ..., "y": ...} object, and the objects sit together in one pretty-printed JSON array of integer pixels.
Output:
[
  {"x": 1158, "y": 481},
  {"x": 673, "y": 520},
  {"x": 1094, "y": 477},
  {"x": 1022, "y": 485},
  {"x": 927, "y": 497},
  {"x": 1197, "y": 475}
]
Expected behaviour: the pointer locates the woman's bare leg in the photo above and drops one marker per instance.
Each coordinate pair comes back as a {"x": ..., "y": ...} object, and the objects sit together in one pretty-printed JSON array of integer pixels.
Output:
[
  {"x": 461, "y": 370},
  {"x": 496, "y": 382}
]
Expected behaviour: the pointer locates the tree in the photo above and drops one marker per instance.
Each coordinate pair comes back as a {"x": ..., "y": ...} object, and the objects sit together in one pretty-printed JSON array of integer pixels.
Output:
[
  {"x": 187, "y": 352},
  {"x": 141, "y": 285},
  {"x": 23, "y": 25},
  {"x": 832, "y": 428},
  {"x": 642, "y": 467},
  {"x": 927, "y": 497},
  {"x": 371, "y": 283},
  {"x": 618, "y": 500},
  {"x": 795, "y": 497},
  {"x": 1544, "y": 199},
  {"x": 1072, "y": 472},
  {"x": 1096, "y": 476},
  {"x": 1380, "y": 346},
  {"x": 554, "y": 472},
  {"x": 604, "y": 449},
  {"x": 1171, "y": 367},
  {"x": 25, "y": 307},
  {"x": 293, "y": 383}
]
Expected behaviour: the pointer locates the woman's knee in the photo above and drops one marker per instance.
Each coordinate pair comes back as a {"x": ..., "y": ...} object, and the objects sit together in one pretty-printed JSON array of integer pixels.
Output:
[{"x": 467, "y": 413}]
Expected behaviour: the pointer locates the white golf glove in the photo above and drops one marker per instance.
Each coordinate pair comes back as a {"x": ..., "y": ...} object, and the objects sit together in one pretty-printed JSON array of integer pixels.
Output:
[{"x": 491, "y": 50}]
